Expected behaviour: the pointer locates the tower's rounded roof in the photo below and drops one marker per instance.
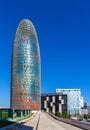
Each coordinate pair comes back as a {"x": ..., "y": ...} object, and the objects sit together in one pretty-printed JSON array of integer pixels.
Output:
[{"x": 25, "y": 29}]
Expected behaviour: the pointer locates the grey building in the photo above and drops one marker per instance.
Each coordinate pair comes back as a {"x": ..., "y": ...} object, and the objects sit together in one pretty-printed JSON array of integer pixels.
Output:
[{"x": 54, "y": 102}]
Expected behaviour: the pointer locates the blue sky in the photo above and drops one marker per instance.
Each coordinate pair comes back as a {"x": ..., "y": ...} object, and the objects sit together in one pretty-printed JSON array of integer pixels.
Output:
[{"x": 63, "y": 28}]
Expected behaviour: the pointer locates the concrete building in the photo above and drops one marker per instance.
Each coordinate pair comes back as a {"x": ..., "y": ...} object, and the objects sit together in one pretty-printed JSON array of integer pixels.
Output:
[
  {"x": 73, "y": 99},
  {"x": 54, "y": 102},
  {"x": 25, "y": 71}
]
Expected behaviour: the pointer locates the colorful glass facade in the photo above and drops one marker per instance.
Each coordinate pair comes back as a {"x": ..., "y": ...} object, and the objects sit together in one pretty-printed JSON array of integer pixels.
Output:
[{"x": 25, "y": 77}]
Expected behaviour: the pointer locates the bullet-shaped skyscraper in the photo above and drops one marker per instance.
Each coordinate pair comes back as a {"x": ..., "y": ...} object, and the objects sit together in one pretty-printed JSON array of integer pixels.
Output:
[{"x": 25, "y": 72}]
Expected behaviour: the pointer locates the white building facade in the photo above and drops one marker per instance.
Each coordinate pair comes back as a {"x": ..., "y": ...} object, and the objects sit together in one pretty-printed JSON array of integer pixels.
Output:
[
  {"x": 73, "y": 99},
  {"x": 82, "y": 102}
]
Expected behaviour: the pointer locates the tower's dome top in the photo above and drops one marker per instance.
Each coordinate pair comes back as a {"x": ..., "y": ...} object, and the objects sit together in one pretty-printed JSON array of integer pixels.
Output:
[
  {"x": 26, "y": 21},
  {"x": 25, "y": 29},
  {"x": 26, "y": 24}
]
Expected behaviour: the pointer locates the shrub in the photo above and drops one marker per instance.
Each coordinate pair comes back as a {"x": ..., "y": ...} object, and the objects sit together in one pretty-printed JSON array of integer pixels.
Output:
[
  {"x": 66, "y": 115},
  {"x": 85, "y": 116},
  {"x": 58, "y": 114}
]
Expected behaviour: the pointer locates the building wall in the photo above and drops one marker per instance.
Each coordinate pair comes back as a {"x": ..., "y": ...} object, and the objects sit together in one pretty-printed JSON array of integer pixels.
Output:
[
  {"x": 25, "y": 77},
  {"x": 88, "y": 109},
  {"x": 54, "y": 103},
  {"x": 82, "y": 102},
  {"x": 84, "y": 111},
  {"x": 73, "y": 99}
]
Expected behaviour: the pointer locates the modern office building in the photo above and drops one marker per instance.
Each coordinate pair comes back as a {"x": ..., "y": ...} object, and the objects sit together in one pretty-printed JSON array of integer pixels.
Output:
[
  {"x": 73, "y": 99},
  {"x": 25, "y": 71},
  {"x": 54, "y": 102}
]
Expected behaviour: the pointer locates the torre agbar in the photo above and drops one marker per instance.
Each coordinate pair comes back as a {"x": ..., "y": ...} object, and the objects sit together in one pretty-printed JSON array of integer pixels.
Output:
[{"x": 25, "y": 72}]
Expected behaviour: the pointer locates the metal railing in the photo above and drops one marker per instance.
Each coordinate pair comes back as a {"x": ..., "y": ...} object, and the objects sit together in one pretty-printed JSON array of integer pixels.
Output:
[{"x": 74, "y": 123}]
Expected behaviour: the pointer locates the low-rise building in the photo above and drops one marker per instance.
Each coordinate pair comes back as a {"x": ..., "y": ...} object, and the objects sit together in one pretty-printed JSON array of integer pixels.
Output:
[{"x": 84, "y": 109}]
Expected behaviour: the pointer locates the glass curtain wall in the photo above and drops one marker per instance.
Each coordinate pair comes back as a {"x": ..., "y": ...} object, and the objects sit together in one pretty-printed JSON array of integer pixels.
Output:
[{"x": 25, "y": 80}]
